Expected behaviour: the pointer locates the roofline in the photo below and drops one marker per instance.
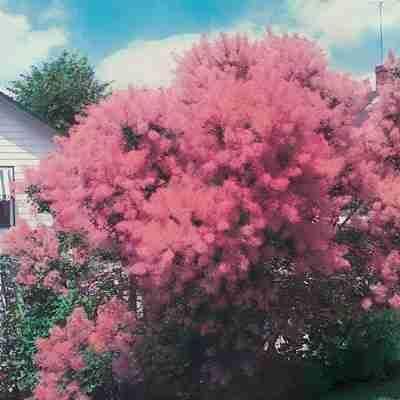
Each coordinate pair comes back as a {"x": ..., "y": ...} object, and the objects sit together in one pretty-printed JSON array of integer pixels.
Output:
[
  {"x": 30, "y": 115},
  {"x": 362, "y": 116}
]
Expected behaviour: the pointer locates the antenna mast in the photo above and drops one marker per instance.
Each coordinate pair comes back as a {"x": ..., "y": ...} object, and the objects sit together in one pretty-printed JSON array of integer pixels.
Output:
[{"x": 380, "y": 6}]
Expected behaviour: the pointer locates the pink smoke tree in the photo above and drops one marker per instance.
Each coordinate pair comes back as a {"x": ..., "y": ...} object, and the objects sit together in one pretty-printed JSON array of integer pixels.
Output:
[{"x": 216, "y": 197}]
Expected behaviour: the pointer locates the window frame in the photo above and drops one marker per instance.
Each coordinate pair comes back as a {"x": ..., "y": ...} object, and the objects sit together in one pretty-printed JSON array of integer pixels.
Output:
[{"x": 12, "y": 201}]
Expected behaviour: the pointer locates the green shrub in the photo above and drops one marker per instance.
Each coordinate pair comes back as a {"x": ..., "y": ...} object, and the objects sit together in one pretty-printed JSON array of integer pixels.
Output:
[
  {"x": 25, "y": 322},
  {"x": 30, "y": 313},
  {"x": 366, "y": 348}
]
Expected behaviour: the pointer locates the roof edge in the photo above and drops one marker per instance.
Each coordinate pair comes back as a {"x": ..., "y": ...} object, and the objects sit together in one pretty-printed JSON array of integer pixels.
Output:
[{"x": 27, "y": 113}]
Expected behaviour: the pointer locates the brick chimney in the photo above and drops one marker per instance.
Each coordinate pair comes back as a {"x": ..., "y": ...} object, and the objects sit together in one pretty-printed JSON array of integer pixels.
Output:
[{"x": 381, "y": 75}]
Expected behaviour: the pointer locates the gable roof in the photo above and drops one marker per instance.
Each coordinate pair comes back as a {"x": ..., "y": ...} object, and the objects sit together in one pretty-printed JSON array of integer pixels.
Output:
[
  {"x": 363, "y": 115},
  {"x": 27, "y": 115}
]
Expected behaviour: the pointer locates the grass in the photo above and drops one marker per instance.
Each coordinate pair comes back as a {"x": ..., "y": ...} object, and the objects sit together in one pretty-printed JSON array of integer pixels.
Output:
[{"x": 389, "y": 390}]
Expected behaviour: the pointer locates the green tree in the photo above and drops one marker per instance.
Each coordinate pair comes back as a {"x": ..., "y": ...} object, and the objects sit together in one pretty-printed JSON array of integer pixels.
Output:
[{"x": 59, "y": 89}]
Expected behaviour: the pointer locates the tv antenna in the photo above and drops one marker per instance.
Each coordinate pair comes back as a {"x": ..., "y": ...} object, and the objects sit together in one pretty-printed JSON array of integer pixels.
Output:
[{"x": 380, "y": 4}]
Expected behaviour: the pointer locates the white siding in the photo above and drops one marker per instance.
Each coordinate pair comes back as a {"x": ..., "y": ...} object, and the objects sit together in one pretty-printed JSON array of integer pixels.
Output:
[{"x": 23, "y": 141}]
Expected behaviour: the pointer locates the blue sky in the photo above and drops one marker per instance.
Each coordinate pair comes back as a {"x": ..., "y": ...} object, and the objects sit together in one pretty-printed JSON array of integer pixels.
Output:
[{"x": 131, "y": 41}]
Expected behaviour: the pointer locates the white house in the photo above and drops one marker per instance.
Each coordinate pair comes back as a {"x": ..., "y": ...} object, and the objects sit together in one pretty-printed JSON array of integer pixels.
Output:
[{"x": 24, "y": 139}]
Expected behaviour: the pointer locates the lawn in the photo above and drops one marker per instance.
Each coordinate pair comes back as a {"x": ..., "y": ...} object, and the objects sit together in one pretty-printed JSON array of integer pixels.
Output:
[{"x": 389, "y": 390}]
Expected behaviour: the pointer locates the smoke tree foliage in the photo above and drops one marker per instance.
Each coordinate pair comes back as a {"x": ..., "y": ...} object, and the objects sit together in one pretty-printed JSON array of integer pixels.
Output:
[{"x": 250, "y": 160}]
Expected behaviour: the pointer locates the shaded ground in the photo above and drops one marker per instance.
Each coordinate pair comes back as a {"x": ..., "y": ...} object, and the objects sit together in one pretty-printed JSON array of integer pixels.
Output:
[{"x": 389, "y": 390}]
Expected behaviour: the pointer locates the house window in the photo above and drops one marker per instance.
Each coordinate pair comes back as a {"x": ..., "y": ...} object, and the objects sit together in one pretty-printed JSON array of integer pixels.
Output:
[{"x": 7, "y": 201}]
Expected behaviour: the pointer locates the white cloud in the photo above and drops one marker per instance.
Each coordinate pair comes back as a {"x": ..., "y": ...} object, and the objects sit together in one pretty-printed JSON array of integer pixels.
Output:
[
  {"x": 145, "y": 63},
  {"x": 22, "y": 46},
  {"x": 56, "y": 12},
  {"x": 151, "y": 63},
  {"x": 341, "y": 22}
]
